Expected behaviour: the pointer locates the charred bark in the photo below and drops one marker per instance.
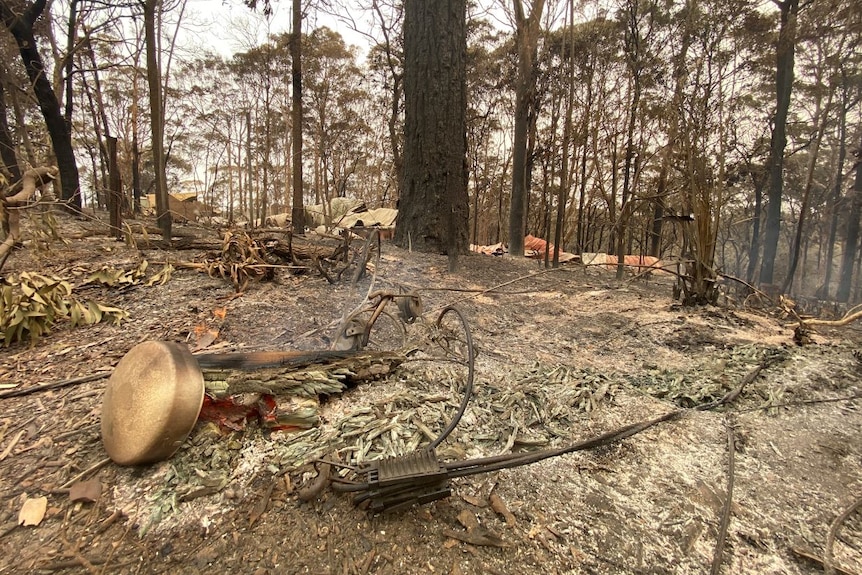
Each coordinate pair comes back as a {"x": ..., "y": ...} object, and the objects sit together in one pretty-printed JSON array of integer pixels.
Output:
[
  {"x": 775, "y": 165},
  {"x": 297, "y": 213},
  {"x": 21, "y": 27},
  {"x": 526, "y": 37},
  {"x": 851, "y": 242},
  {"x": 7, "y": 146},
  {"x": 434, "y": 207}
]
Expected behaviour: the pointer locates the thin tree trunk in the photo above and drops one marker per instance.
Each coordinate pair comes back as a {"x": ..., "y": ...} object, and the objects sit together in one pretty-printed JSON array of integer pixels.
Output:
[
  {"x": 20, "y": 121},
  {"x": 115, "y": 192},
  {"x": 298, "y": 212},
  {"x": 99, "y": 184},
  {"x": 565, "y": 181},
  {"x": 249, "y": 186},
  {"x": 527, "y": 37},
  {"x": 10, "y": 167},
  {"x": 775, "y": 166},
  {"x": 759, "y": 180},
  {"x": 680, "y": 77},
  {"x": 835, "y": 197},
  {"x": 70, "y": 46},
  {"x": 101, "y": 127},
  {"x": 585, "y": 138},
  {"x": 852, "y": 241},
  {"x": 821, "y": 118},
  {"x": 230, "y": 176},
  {"x": 157, "y": 124}
]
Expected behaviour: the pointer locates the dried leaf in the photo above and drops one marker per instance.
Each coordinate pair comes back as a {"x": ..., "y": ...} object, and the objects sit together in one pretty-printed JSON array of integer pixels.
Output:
[
  {"x": 500, "y": 507},
  {"x": 161, "y": 277},
  {"x": 474, "y": 501},
  {"x": 479, "y": 536},
  {"x": 261, "y": 506},
  {"x": 468, "y": 519},
  {"x": 220, "y": 312},
  {"x": 204, "y": 337},
  {"x": 33, "y": 511},
  {"x": 87, "y": 491}
]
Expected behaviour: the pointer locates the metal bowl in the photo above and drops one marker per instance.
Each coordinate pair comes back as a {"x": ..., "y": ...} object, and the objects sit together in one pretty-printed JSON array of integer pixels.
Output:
[{"x": 152, "y": 402}]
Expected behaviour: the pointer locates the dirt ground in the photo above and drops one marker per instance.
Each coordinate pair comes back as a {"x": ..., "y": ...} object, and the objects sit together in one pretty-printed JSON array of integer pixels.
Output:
[{"x": 562, "y": 356}]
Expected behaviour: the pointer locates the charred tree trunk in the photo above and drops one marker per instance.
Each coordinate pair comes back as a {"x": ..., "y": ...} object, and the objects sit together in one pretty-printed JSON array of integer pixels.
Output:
[
  {"x": 434, "y": 209},
  {"x": 297, "y": 213},
  {"x": 7, "y": 146},
  {"x": 775, "y": 166},
  {"x": 115, "y": 191},
  {"x": 21, "y": 27},
  {"x": 565, "y": 179},
  {"x": 852, "y": 241},
  {"x": 806, "y": 194},
  {"x": 163, "y": 217},
  {"x": 759, "y": 180},
  {"x": 836, "y": 188},
  {"x": 70, "y": 47},
  {"x": 527, "y": 37}
]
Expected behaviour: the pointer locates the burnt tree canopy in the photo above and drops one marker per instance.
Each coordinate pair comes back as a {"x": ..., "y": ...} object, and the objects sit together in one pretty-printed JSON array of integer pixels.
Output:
[{"x": 433, "y": 209}]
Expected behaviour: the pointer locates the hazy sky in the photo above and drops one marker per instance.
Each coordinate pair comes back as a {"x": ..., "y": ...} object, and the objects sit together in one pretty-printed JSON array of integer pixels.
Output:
[{"x": 228, "y": 26}]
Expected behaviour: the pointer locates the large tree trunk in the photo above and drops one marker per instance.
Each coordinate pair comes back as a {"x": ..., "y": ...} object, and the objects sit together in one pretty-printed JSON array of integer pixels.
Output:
[
  {"x": 434, "y": 208},
  {"x": 297, "y": 213},
  {"x": 21, "y": 27},
  {"x": 527, "y": 38},
  {"x": 775, "y": 165}
]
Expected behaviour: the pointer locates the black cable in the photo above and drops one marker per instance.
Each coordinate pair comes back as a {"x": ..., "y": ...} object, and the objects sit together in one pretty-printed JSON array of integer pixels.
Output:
[{"x": 468, "y": 389}]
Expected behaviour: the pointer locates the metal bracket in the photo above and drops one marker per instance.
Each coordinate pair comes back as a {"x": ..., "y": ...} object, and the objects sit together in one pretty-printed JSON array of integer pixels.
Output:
[{"x": 399, "y": 482}]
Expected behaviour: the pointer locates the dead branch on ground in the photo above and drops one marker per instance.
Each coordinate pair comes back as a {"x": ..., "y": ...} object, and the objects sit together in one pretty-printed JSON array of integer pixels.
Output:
[
  {"x": 718, "y": 555},
  {"x": 16, "y": 198},
  {"x": 828, "y": 566},
  {"x": 848, "y": 318}
]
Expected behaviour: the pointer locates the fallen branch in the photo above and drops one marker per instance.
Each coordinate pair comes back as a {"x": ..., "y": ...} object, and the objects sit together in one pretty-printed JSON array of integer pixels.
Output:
[
  {"x": 92, "y": 469},
  {"x": 806, "y": 554},
  {"x": 753, "y": 289},
  {"x": 847, "y": 319},
  {"x": 802, "y": 402},
  {"x": 307, "y": 374},
  {"x": 828, "y": 567},
  {"x": 16, "y": 197},
  {"x": 725, "y": 514},
  {"x": 12, "y": 445},
  {"x": 78, "y": 556},
  {"x": 18, "y": 392}
]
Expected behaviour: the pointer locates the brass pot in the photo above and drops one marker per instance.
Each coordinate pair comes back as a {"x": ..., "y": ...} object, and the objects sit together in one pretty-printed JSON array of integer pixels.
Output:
[{"x": 152, "y": 402}]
